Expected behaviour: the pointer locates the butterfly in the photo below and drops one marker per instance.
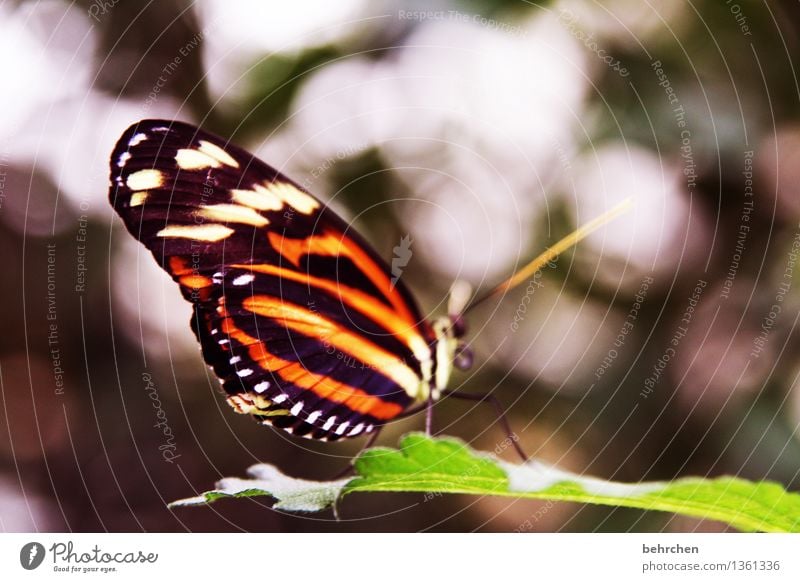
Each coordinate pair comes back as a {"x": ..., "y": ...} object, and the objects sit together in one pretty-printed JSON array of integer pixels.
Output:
[
  {"x": 303, "y": 322},
  {"x": 298, "y": 316}
]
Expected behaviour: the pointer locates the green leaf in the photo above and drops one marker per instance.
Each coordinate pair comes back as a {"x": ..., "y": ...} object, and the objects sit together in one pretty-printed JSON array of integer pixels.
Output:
[
  {"x": 446, "y": 465},
  {"x": 291, "y": 494}
]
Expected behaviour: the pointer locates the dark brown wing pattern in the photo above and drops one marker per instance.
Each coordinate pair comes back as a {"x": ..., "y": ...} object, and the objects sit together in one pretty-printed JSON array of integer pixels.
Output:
[{"x": 293, "y": 310}]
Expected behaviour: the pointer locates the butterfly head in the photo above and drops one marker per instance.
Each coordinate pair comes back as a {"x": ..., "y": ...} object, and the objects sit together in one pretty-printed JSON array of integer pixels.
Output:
[
  {"x": 460, "y": 294},
  {"x": 451, "y": 349},
  {"x": 462, "y": 354}
]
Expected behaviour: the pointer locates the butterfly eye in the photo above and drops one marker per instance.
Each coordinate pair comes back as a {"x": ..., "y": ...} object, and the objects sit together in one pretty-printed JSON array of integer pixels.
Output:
[
  {"x": 459, "y": 326},
  {"x": 463, "y": 357}
]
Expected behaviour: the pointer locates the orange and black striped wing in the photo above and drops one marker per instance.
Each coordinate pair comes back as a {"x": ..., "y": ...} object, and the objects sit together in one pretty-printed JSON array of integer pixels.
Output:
[{"x": 294, "y": 311}]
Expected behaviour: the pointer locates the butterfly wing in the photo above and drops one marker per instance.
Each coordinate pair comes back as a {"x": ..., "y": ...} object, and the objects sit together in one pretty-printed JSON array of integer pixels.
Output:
[{"x": 294, "y": 311}]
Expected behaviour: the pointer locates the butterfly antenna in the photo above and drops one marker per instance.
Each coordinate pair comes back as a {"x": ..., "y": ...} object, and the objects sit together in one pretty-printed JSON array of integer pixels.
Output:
[{"x": 551, "y": 253}]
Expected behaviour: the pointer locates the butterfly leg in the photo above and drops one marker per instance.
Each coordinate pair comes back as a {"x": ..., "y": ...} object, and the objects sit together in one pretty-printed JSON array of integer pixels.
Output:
[
  {"x": 501, "y": 417},
  {"x": 429, "y": 413},
  {"x": 427, "y": 406}
]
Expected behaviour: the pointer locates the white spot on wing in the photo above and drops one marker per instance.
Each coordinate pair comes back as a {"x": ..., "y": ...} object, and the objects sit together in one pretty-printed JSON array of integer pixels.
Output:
[
  {"x": 259, "y": 198},
  {"x": 202, "y": 232},
  {"x": 342, "y": 427},
  {"x": 137, "y": 139},
  {"x": 244, "y": 373},
  {"x": 235, "y": 360},
  {"x": 280, "y": 398},
  {"x": 329, "y": 423},
  {"x": 123, "y": 157},
  {"x": 192, "y": 159},
  {"x": 145, "y": 180},
  {"x": 273, "y": 196},
  {"x": 243, "y": 279},
  {"x": 138, "y": 198},
  {"x": 217, "y": 153},
  {"x": 312, "y": 418},
  {"x": 262, "y": 387},
  {"x": 296, "y": 409},
  {"x": 297, "y": 199},
  {"x": 357, "y": 429},
  {"x": 232, "y": 213}
]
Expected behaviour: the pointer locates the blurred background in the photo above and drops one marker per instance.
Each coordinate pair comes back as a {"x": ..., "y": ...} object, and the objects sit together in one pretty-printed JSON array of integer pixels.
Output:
[{"x": 665, "y": 345}]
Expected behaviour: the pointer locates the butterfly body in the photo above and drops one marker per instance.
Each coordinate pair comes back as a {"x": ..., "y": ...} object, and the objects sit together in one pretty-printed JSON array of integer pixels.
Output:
[{"x": 302, "y": 321}]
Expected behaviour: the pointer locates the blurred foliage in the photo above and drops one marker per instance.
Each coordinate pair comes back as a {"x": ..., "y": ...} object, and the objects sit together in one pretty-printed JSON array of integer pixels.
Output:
[{"x": 273, "y": 84}]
